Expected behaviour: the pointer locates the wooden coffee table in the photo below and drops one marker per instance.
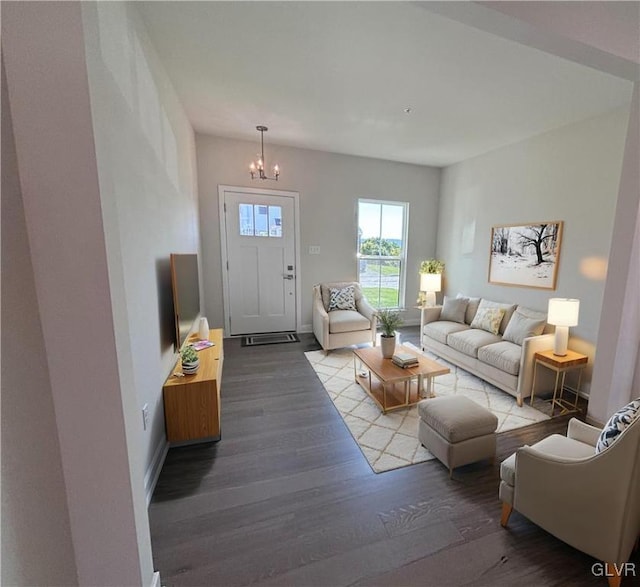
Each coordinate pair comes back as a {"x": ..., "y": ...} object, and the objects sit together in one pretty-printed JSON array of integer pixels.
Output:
[{"x": 393, "y": 387}]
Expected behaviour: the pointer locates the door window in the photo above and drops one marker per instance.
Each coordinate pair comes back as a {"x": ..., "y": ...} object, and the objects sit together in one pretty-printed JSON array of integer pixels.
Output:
[{"x": 260, "y": 220}]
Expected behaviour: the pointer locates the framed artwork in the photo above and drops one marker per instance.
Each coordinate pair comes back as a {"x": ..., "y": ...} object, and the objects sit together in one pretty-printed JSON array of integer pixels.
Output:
[{"x": 525, "y": 255}]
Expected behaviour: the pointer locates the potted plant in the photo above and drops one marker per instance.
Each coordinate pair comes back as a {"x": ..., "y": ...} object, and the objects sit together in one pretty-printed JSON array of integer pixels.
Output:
[
  {"x": 429, "y": 283},
  {"x": 190, "y": 360},
  {"x": 388, "y": 320},
  {"x": 431, "y": 266}
]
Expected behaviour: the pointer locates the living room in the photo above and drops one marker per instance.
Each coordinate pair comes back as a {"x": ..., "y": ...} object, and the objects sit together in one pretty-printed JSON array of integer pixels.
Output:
[{"x": 149, "y": 187}]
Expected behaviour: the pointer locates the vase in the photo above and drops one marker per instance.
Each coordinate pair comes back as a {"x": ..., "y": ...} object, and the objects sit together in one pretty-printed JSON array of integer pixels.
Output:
[
  {"x": 190, "y": 367},
  {"x": 387, "y": 346},
  {"x": 203, "y": 329}
]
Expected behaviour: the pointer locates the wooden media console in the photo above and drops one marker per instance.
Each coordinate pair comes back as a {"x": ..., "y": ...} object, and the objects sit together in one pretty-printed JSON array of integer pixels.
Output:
[{"x": 192, "y": 402}]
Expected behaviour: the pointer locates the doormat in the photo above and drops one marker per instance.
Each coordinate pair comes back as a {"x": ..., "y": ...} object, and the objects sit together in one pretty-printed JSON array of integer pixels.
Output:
[{"x": 271, "y": 338}]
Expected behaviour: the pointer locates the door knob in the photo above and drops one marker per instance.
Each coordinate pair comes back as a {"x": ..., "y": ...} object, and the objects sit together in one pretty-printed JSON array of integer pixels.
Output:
[{"x": 287, "y": 277}]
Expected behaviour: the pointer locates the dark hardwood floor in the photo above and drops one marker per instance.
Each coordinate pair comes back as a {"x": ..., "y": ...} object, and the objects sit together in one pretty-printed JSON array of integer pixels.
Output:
[{"x": 287, "y": 498}]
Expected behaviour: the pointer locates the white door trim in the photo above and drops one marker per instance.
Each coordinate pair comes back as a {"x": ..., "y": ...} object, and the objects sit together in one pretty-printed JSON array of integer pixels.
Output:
[{"x": 222, "y": 190}]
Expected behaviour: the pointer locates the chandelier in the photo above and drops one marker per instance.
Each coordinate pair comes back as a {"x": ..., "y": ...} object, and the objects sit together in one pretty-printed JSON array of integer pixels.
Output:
[{"x": 257, "y": 167}]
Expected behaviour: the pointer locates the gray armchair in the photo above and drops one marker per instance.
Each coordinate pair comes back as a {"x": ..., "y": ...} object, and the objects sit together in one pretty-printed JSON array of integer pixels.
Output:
[
  {"x": 341, "y": 328},
  {"x": 590, "y": 501}
]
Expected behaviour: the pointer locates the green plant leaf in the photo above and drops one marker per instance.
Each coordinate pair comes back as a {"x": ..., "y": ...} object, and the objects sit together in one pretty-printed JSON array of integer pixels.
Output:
[
  {"x": 189, "y": 354},
  {"x": 389, "y": 321},
  {"x": 432, "y": 266}
]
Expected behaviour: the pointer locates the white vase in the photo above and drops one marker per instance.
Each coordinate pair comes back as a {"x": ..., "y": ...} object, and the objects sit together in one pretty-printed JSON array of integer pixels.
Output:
[
  {"x": 203, "y": 329},
  {"x": 387, "y": 346}
]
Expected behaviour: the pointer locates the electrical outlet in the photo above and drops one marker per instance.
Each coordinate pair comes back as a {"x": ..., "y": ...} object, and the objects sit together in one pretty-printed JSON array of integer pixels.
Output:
[
  {"x": 314, "y": 250},
  {"x": 145, "y": 416}
]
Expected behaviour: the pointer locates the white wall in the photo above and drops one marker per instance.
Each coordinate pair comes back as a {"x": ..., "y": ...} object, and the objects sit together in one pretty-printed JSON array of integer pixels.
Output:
[
  {"x": 616, "y": 375},
  {"x": 569, "y": 174},
  {"x": 329, "y": 185},
  {"x": 36, "y": 537},
  {"x": 96, "y": 417},
  {"x": 146, "y": 166}
]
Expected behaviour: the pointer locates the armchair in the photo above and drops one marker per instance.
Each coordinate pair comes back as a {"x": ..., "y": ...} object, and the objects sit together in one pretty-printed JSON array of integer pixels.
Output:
[
  {"x": 340, "y": 328},
  {"x": 590, "y": 501}
]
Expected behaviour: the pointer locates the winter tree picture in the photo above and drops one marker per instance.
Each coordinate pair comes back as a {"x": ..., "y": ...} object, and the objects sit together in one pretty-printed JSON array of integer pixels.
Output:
[{"x": 525, "y": 255}]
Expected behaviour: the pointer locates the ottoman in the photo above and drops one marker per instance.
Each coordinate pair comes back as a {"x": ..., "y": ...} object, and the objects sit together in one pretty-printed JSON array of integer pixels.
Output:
[{"x": 456, "y": 430}]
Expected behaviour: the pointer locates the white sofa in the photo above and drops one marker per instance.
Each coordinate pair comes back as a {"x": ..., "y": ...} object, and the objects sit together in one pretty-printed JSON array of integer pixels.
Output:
[{"x": 500, "y": 361}]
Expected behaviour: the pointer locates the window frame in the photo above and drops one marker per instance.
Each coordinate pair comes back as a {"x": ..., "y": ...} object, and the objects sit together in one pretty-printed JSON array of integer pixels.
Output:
[{"x": 402, "y": 258}]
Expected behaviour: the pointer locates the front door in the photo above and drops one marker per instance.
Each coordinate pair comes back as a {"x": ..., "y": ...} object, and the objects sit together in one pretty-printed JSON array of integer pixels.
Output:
[{"x": 261, "y": 253}]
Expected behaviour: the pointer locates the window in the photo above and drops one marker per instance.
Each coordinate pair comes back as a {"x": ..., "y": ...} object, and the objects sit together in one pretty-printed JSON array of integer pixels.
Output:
[
  {"x": 257, "y": 220},
  {"x": 382, "y": 238}
]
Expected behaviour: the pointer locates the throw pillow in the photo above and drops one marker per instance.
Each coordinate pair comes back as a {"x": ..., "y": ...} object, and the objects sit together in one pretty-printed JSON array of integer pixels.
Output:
[
  {"x": 325, "y": 290},
  {"x": 472, "y": 308},
  {"x": 521, "y": 326},
  {"x": 488, "y": 319},
  {"x": 617, "y": 424},
  {"x": 343, "y": 298},
  {"x": 508, "y": 311},
  {"x": 453, "y": 309}
]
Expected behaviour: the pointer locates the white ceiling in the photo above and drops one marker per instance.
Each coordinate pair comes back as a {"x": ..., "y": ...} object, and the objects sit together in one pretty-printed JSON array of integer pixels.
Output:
[{"x": 336, "y": 76}]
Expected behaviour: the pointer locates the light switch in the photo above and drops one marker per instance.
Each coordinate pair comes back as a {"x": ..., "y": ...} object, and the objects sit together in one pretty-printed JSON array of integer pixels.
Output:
[{"x": 314, "y": 250}]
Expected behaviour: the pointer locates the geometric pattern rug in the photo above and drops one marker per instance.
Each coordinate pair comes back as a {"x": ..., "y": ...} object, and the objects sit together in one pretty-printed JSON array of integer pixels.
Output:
[{"x": 390, "y": 441}]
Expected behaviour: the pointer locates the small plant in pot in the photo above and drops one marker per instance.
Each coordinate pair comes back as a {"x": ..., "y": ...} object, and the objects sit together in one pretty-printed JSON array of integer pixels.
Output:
[
  {"x": 190, "y": 360},
  {"x": 388, "y": 320}
]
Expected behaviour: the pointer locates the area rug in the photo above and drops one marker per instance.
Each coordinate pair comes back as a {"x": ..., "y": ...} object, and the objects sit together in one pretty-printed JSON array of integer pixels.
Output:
[
  {"x": 269, "y": 338},
  {"x": 390, "y": 441}
]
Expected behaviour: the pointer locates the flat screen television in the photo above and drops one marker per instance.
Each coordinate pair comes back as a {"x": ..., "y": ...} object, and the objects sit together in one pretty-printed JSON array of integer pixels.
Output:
[{"x": 186, "y": 293}]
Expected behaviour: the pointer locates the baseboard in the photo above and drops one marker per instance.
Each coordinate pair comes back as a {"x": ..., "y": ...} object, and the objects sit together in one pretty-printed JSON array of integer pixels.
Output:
[
  {"x": 582, "y": 393},
  {"x": 153, "y": 472},
  {"x": 412, "y": 322},
  {"x": 155, "y": 580}
]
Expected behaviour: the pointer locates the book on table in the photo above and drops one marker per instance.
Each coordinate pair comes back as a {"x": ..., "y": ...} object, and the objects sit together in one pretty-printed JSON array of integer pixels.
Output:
[
  {"x": 405, "y": 365},
  {"x": 202, "y": 344},
  {"x": 404, "y": 360}
]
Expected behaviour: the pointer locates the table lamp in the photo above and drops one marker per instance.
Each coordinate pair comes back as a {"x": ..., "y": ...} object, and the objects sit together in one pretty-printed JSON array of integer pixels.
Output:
[
  {"x": 562, "y": 313},
  {"x": 430, "y": 283}
]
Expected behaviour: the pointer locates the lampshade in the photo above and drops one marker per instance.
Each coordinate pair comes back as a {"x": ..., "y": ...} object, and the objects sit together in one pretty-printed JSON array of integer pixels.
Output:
[
  {"x": 430, "y": 282},
  {"x": 563, "y": 312}
]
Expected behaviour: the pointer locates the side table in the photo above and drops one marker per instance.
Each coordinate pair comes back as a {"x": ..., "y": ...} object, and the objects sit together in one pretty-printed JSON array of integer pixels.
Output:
[{"x": 570, "y": 362}]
